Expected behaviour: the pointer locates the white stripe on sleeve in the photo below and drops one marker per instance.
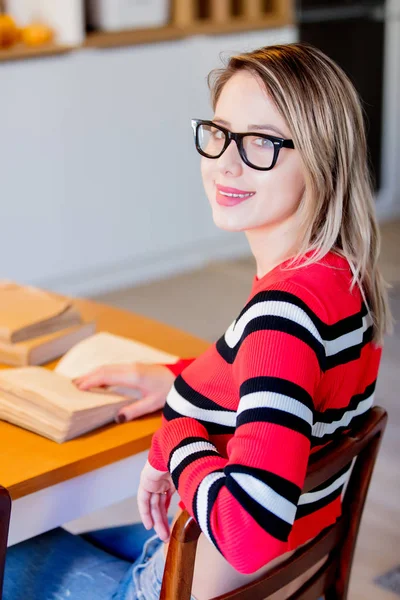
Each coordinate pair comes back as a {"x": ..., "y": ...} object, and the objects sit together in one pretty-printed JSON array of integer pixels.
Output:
[
  {"x": 266, "y": 496},
  {"x": 183, "y": 452}
]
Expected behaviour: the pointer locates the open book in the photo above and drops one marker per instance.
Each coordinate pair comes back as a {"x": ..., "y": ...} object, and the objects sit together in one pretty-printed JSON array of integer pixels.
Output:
[{"x": 48, "y": 403}]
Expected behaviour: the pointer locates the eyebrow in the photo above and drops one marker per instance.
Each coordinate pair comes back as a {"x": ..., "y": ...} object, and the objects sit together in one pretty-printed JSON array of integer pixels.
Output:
[{"x": 252, "y": 127}]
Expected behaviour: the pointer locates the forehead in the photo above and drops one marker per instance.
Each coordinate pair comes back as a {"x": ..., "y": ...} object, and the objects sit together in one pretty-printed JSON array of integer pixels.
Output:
[{"x": 244, "y": 99}]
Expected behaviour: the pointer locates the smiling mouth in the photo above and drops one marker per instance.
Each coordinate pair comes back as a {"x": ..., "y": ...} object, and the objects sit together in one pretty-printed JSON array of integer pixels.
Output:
[
  {"x": 232, "y": 192},
  {"x": 227, "y": 196},
  {"x": 232, "y": 195}
]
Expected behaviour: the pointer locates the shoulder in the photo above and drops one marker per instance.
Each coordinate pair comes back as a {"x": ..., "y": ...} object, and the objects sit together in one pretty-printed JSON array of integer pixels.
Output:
[
  {"x": 309, "y": 306},
  {"x": 321, "y": 289}
]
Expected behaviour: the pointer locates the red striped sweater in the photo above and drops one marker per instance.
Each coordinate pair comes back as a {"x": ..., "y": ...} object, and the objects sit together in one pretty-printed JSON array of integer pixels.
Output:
[{"x": 292, "y": 372}]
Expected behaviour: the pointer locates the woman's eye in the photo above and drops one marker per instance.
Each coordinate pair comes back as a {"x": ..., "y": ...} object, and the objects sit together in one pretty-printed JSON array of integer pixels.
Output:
[
  {"x": 263, "y": 143},
  {"x": 217, "y": 134}
]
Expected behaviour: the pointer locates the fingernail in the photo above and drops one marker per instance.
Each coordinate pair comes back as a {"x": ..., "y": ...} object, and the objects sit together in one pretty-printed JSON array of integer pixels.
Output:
[{"x": 121, "y": 418}]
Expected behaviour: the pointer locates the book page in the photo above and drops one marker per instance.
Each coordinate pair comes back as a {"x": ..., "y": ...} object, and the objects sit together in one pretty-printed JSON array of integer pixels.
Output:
[
  {"x": 108, "y": 349},
  {"x": 45, "y": 388}
]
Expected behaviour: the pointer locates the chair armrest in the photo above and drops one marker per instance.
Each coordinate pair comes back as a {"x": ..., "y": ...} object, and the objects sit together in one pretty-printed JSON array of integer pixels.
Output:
[{"x": 179, "y": 565}]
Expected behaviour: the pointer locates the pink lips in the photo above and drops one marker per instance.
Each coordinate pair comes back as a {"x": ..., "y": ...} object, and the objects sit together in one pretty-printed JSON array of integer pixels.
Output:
[{"x": 231, "y": 200}]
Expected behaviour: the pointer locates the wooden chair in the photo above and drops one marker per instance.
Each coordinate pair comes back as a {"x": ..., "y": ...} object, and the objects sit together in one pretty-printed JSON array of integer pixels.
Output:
[
  {"x": 337, "y": 541},
  {"x": 5, "y": 513}
]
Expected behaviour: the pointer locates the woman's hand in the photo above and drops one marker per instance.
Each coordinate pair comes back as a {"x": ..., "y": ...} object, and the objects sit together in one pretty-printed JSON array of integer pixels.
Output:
[
  {"x": 153, "y": 381},
  {"x": 154, "y": 496}
]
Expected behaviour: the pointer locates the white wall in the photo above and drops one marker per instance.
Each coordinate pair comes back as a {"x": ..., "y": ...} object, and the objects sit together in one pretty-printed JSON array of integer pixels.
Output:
[
  {"x": 91, "y": 198},
  {"x": 389, "y": 198},
  {"x": 100, "y": 182}
]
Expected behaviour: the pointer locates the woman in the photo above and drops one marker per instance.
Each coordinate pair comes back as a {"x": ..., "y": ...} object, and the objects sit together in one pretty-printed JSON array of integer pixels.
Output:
[{"x": 284, "y": 160}]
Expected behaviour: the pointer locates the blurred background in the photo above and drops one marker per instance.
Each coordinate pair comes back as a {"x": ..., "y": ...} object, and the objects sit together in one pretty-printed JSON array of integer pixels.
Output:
[
  {"x": 100, "y": 186},
  {"x": 100, "y": 180}
]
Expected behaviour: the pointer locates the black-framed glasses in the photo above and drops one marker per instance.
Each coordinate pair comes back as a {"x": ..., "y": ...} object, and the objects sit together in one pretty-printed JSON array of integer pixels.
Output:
[{"x": 258, "y": 150}]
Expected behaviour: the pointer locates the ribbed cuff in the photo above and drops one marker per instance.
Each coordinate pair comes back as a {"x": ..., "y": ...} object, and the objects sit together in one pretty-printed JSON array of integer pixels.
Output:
[{"x": 169, "y": 436}]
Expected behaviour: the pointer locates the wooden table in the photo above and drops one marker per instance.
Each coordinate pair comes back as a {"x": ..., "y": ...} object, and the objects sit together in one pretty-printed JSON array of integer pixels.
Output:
[{"x": 51, "y": 484}]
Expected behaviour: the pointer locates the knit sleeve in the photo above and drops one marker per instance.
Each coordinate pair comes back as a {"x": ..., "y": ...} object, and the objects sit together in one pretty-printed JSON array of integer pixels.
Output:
[{"x": 249, "y": 498}]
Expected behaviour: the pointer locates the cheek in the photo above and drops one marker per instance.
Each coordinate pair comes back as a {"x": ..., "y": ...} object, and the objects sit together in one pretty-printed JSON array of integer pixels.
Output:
[
  {"x": 207, "y": 173},
  {"x": 294, "y": 183},
  {"x": 205, "y": 165},
  {"x": 288, "y": 182},
  {"x": 279, "y": 192}
]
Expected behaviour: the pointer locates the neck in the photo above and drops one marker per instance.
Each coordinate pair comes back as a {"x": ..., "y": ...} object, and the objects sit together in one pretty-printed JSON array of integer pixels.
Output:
[{"x": 273, "y": 244}]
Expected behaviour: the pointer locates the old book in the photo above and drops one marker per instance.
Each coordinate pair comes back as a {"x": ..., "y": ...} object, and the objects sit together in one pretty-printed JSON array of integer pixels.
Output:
[
  {"x": 27, "y": 312},
  {"x": 47, "y": 402},
  {"x": 45, "y": 348}
]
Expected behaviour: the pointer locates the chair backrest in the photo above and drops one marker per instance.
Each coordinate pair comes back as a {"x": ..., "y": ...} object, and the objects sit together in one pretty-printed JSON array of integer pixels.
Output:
[
  {"x": 337, "y": 541},
  {"x": 5, "y": 513}
]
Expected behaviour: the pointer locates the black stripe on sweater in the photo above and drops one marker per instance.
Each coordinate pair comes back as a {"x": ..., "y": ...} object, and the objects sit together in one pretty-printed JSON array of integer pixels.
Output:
[
  {"x": 273, "y": 323},
  {"x": 306, "y": 509},
  {"x": 270, "y": 522},
  {"x": 327, "y": 332},
  {"x": 212, "y": 428},
  {"x": 337, "y": 434},
  {"x": 280, "y": 485},
  {"x": 195, "y": 398},
  {"x": 332, "y": 479},
  {"x": 276, "y": 417},
  {"x": 336, "y": 414},
  {"x": 211, "y": 498},
  {"x": 185, "y": 442},
  {"x": 177, "y": 472},
  {"x": 277, "y": 385},
  {"x": 349, "y": 354}
]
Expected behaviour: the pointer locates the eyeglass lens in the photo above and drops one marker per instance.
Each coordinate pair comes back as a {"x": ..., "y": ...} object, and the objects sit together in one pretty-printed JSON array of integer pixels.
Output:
[{"x": 259, "y": 151}]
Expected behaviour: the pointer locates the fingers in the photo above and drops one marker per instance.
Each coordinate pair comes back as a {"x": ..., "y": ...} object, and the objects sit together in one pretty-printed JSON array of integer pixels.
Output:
[
  {"x": 168, "y": 497},
  {"x": 153, "y": 512},
  {"x": 165, "y": 502},
  {"x": 108, "y": 375},
  {"x": 97, "y": 378},
  {"x": 143, "y": 501},
  {"x": 139, "y": 408},
  {"x": 159, "y": 516}
]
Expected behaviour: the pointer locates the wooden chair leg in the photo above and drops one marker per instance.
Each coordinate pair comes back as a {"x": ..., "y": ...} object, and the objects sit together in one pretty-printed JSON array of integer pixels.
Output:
[{"x": 5, "y": 513}]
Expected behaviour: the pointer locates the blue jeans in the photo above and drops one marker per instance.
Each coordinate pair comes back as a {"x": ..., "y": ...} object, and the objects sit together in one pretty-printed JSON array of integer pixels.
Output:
[{"x": 96, "y": 566}]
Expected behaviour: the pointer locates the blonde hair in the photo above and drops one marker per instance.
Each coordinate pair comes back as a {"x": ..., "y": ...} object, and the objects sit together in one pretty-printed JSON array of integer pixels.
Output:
[{"x": 325, "y": 116}]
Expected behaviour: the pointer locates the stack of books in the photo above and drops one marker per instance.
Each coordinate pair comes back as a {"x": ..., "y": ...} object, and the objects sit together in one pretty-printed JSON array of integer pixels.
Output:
[{"x": 37, "y": 326}]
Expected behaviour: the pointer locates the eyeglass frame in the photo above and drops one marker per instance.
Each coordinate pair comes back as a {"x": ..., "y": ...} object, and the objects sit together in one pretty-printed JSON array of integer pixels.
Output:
[{"x": 238, "y": 138}]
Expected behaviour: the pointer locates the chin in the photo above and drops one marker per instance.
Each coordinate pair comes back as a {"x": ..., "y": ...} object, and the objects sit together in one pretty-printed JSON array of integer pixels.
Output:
[{"x": 226, "y": 223}]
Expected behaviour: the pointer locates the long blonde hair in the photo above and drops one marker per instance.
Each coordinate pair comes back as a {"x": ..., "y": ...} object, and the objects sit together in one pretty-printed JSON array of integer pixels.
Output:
[{"x": 325, "y": 116}]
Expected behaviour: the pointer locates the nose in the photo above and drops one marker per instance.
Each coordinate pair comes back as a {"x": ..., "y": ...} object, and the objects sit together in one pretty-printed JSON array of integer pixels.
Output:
[{"x": 230, "y": 162}]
